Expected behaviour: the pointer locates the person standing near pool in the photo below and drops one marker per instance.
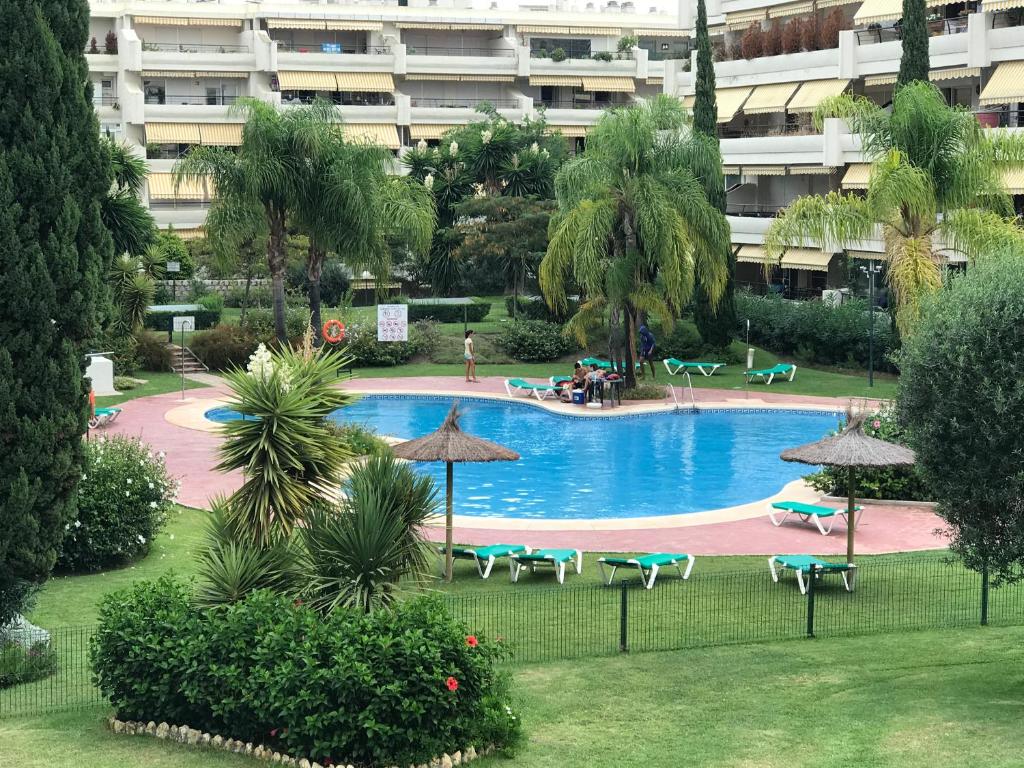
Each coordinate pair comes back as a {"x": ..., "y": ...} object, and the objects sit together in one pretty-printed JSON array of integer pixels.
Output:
[
  {"x": 470, "y": 356},
  {"x": 647, "y": 350}
]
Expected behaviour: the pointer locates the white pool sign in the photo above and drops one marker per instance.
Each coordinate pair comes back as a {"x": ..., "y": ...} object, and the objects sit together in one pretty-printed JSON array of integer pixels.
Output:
[{"x": 392, "y": 322}]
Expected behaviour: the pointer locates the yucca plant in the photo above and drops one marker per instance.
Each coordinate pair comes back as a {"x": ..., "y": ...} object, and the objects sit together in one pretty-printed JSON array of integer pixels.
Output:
[
  {"x": 133, "y": 292},
  {"x": 284, "y": 447},
  {"x": 362, "y": 552}
]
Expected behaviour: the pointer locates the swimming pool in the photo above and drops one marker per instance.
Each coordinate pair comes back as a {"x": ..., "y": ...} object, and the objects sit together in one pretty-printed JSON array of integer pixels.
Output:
[{"x": 574, "y": 467}]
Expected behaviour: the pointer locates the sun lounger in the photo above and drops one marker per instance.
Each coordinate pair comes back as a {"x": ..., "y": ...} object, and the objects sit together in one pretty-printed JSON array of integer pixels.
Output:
[
  {"x": 540, "y": 391},
  {"x": 103, "y": 416},
  {"x": 589, "y": 361},
  {"x": 803, "y": 564},
  {"x": 811, "y": 512},
  {"x": 674, "y": 366},
  {"x": 767, "y": 375},
  {"x": 485, "y": 557},
  {"x": 648, "y": 565},
  {"x": 556, "y": 558},
  {"x": 558, "y": 381}
]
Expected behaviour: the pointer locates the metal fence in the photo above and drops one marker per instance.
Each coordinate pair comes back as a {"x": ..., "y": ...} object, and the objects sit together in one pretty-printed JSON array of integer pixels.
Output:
[{"x": 542, "y": 624}]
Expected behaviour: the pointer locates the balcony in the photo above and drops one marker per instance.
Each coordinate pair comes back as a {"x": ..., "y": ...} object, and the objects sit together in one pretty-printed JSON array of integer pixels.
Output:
[
  {"x": 885, "y": 33},
  {"x": 762, "y": 130},
  {"x": 334, "y": 49},
  {"x": 579, "y": 104},
  {"x": 585, "y": 56},
  {"x": 444, "y": 50},
  {"x": 756, "y": 210},
  {"x": 199, "y": 56},
  {"x": 209, "y": 100},
  {"x": 459, "y": 102},
  {"x": 1000, "y": 118},
  {"x": 105, "y": 100},
  {"x": 195, "y": 48}
]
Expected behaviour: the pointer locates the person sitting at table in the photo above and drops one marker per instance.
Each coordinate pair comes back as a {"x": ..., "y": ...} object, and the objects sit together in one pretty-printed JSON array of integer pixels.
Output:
[{"x": 595, "y": 381}]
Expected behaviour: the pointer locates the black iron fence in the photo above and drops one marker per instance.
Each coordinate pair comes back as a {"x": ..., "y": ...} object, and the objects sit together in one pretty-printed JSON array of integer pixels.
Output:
[{"x": 542, "y": 624}]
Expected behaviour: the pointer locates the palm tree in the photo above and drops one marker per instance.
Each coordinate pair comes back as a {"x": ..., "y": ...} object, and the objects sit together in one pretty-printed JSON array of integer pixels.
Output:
[
  {"x": 935, "y": 187},
  {"x": 634, "y": 225},
  {"x": 131, "y": 226}
]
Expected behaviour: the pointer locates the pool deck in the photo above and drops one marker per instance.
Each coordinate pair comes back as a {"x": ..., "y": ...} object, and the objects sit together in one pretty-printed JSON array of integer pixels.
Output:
[{"x": 190, "y": 442}]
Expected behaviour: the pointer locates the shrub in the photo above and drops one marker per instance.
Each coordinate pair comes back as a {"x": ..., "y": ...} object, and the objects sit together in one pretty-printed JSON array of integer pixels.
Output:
[
  {"x": 601, "y": 56},
  {"x": 809, "y": 34},
  {"x": 427, "y": 337},
  {"x": 752, "y": 42},
  {"x": 260, "y": 322},
  {"x": 558, "y": 54},
  {"x": 126, "y": 383},
  {"x": 627, "y": 43},
  {"x": 828, "y": 36},
  {"x": 535, "y": 308},
  {"x": 773, "y": 39},
  {"x": 358, "y": 439},
  {"x": 121, "y": 348},
  {"x": 93, "y": 47},
  {"x": 334, "y": 284},
  {"x": 123, "y": 500},
  {"x": 224, "y": 346},
  {"x": 259, "y": 296},
  {"x": 535, "y": 341},
  {"x": 255, "y": 671},
  {"x": 162, "y": 294},
  {"x": 450, "y": 313},
  {"x": 792, "y": 34},
  {"x": 362, "y": 346},
  {"x": 211, "y": 302},
  {"x": 110, "y": 43},
  {"x": 817, "y": 332},
  {"x": 19, "y": 664},
  {"x": 684, "y": 343},
  {"x": 164, "y": 321},
  {"x": 152, "y": 351},
  {"x": 644, "y": 392}
]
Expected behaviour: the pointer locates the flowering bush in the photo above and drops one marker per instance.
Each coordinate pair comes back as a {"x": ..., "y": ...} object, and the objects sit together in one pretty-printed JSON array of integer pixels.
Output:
[
  {"x": 403, "y": 684},
  {"x": 123, "y": 502},
  {"x": 362, "y": 346}
]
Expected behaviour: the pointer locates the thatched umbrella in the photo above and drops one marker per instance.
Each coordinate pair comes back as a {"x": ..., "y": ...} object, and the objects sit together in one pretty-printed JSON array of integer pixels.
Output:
[
  {"x": 854, "y": 450},
  {"x": 450, "y": 445}
]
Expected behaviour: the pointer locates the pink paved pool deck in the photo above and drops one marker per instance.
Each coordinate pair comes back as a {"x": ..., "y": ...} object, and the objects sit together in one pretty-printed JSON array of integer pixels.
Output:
[{"x": 191, "y": 456}]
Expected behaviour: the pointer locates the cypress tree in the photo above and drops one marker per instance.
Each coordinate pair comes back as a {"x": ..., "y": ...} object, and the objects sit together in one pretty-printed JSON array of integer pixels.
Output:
[
  {"x": 715, "y": 324},
  {"x": 53, "y": 250},
  {"x": 914, "y": 62}
]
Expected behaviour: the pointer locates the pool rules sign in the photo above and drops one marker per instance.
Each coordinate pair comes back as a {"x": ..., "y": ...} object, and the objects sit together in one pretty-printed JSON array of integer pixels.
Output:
[{"x": 392, "y": 322}]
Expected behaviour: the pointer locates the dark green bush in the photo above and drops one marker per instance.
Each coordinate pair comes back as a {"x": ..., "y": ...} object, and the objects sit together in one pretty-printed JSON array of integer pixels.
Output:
[
  {"x": 212, "y": 302},
  {"x": 334, "y": 284},
  {"x": 259, "y": 296},
  {"x": 224, "y": 346},
  {"x": 164, "y": 321},
  {"x": 152, "y": 351},
  {"x": 534, "y": 308},
  {"x": 362, "y": 346},
  {"x": 121, "y": 348},
  {"x": 684, "y": 343},
  {"x": 449, "y": 313},
  {"x": 371, "y": 689},
  {"x": 815, "y": 331},
  {"x": 19, "y": 664},
  {"x": 124, "y": 498},
  {"x": 260, "y": 322},
  {"x": 535, "y": 341}
]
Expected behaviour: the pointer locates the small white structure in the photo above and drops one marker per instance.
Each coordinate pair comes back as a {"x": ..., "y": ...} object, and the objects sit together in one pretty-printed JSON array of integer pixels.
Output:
[{"x": 101, "y": 371}]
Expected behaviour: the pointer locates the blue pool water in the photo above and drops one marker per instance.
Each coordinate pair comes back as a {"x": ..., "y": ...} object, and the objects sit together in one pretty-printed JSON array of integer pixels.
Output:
[{"x": 577, "y": 467}]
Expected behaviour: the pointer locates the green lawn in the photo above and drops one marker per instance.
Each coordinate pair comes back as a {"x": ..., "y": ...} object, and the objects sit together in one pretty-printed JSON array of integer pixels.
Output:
[
  {"x": 951, "y": 698},
  {"x": 156, "y": 384}
]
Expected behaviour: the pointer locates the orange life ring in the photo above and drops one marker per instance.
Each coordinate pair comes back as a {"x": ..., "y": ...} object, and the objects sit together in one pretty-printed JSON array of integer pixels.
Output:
[{"x": 333, "y": 331}]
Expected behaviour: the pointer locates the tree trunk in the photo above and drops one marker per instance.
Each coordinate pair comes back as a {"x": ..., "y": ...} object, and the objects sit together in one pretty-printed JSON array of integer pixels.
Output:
[
  {"x": 248, "y": 288},
  {"x": 314, "y": 269},
  {"x": 631, "y": 324},
  {"x": 275, "y": 264}
]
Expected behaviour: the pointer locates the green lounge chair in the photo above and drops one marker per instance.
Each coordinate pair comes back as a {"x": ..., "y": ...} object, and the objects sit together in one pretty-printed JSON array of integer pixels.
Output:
[
  {"x": 103, "y": 416},
  {"x": 767, "y": 375},
  {"x": 485, "y": 557},
  {"x": 540, "y": 391},
  {"x": 589, "y": 361},
  {"x": 706, "y": 369},
  {"x": 557, "y": 381},
  {"x": 556, "y": 558},
  {"x": 648, "y": 565},
  {"x": 812, "y": 512},
  {"x": 802, "y": 565}
]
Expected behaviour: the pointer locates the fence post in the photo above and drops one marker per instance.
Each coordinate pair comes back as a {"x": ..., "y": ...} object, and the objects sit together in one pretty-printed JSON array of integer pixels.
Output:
[
  {"x": 811, "y": 578},
  {"x": 984, "y": 595},
  {"x": 624, "y": 617}
]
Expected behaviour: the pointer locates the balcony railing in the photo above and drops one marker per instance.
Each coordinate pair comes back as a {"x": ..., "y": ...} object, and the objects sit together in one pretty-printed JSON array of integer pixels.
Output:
[
  {"x": 594, "y": 56},
  {"x": 470, "y": 102},
  {"x": 195, "y": 48},
  {"x": 878, "y": 33},
  {"x": 1011, "y": 18},
  {"x": 1000, "y": 118},
  {"x": 104, "y": 100},
  {"x": 207, "y": 100},
  {"x": 367, "y": 99},
  {"x": 372, "y": 50},
  {"x": 753, "y": 210},
  {"x": 444, "y": 50},
  {"x": 780, "y": 289},
  {"x": 761, "y": 131},
  {"x": 176, "y": 204},
  {"x": 575, "y": 104}
]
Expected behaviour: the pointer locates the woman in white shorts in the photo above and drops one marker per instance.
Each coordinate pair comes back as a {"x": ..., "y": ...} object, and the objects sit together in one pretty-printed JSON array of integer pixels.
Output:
[{"x": 470, "y": 356}]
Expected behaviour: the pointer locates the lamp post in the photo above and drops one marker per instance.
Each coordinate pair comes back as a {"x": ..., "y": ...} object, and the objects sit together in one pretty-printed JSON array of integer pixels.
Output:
[{"x": 871, "y": 270}]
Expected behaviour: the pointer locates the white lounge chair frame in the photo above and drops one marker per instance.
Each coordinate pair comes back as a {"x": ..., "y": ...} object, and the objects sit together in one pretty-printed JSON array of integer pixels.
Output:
[
  {"x": 483, "y": 570},
  {"x": 515, "y": 567},
  {"x": 540, "y": 394},
  {"x": 806, "y": 517},
  {"x": 849, "y": 576},
  {"x": 768, "y": 378},
  {"x": 699, "y": 366},
  {"x": 648, "y": 581},
  {"x": 102, "y": 419}
]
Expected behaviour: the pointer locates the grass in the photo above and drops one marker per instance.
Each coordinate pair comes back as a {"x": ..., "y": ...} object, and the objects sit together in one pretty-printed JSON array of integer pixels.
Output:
[
  {"x": 879, "y": 702},
  {"x": 156, "y": 384}
]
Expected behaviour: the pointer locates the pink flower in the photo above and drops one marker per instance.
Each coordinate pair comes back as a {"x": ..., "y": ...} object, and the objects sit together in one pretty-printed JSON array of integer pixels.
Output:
[
  {"x": 452, "y": 683},
  {"x": 876, "y": 424},
  {"x": 472, "y": 642}
]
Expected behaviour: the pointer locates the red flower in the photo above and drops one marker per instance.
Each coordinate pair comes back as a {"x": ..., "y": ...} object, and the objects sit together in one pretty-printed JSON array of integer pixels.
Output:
[
  {"x": 472, "y": 642},
  {"x": 452, "y": 683},
  {"x": 273, "y": 732}
]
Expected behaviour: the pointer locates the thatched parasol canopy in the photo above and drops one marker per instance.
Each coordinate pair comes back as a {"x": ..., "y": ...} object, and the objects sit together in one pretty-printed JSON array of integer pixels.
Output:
[{"x": 448, "y": 443}]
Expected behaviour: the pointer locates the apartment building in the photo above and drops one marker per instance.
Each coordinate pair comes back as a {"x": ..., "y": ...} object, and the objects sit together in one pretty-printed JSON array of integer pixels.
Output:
[{"x": 166, "y": 75}]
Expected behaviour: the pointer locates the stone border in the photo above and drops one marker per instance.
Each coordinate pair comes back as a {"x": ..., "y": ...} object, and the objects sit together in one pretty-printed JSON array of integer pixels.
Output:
[{"x": 182, "y": 734}]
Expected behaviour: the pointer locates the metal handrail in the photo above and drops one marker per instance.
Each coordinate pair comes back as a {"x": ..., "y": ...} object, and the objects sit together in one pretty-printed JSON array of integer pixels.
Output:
[
  {"x": 444, "y": 50},
  {"x": 195, "y": 47},
  {"x": 210, "y": 101},
  {"x": 462, "y": 103},
  {"x": 373, "y": 50},
  {"x": 573, "y": 104}
]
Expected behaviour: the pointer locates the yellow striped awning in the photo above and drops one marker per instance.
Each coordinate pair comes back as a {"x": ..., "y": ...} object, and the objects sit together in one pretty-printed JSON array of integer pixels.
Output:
[
  {"x": 770, "y": 98},
  {"x": 834, "y": 3},
  {"x": 1013, "y": 180},
  {"x": 806, "y": 258},
  {"x": 529, "y": 29},
  {"x": 957, "y": 73},
  {"x": 616, "y": 84},
  {"x": 210, "y": 21},
  {"x": 811, "y": 94},
  {"x": 874, "y": 81},
  {"x": 730, "y": 170},
  {"x": 857, "y": 176},
  {"x": 743, "y": 19},
  {"x": 866, "y": 255},
  {"x": 307, "y": 81},
  {"x": 455, "y": 26},
  {"x": 429, "y": 130},
  {"x": 764, "y": 170},
  {"x": 1001, "y": 5},
  {"x": 811, "y": 170},
  {"x": 161, "y": 187},
  {"x": 381, "y": 82},
  {"x": 189, "y": 233},
  {"x": 751, "y": 254},
  {"x": 666, "y": 32},
  {"x": 221, "y": 134},
  {"x": 877, "y": 11},
  {"x": 729, "y": 101},
  {"x": 438, "y": 78},
  {"x": 384, "y": 134},
  {"x": 184, "y": 74},
  {"x": 296, "y": 24},
  {"x": 162, "y": 21},
  {"x": 1006, "y": 85},
  {"x": 172, "y": 133},
  {"x": 569, "y": 131},
  {"x": 566, "y": 80},
  {"x": 597, "y": 31},
  {"x": 655, "y": 80},
  {"x": 791, "y": 9},
  {"x": 461, "y": 78},
  {"x": 231, "y": 75},
  {"x": 355, "y": 26}
]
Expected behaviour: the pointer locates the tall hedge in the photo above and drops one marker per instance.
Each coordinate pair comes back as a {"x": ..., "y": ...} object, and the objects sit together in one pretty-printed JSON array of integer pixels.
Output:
[
  {"x": 914, "y": 62},
  {"x": 53, "y": 253}
]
